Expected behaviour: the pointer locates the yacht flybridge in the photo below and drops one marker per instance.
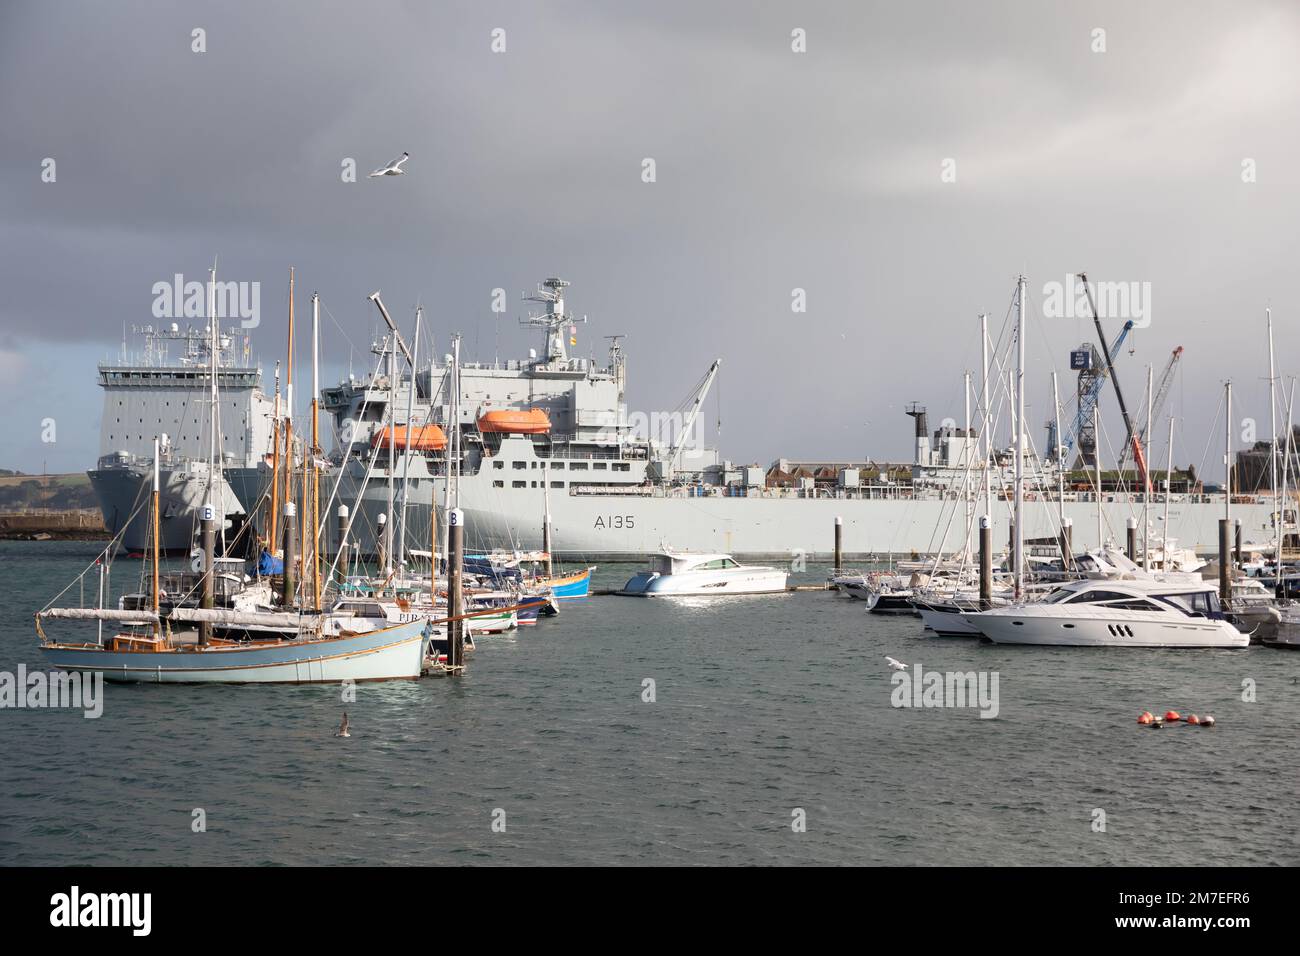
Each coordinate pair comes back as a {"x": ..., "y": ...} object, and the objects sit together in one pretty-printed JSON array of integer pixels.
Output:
[
  {"x": 681, "y": 573},
  {"x": 1115, "y": 613}
]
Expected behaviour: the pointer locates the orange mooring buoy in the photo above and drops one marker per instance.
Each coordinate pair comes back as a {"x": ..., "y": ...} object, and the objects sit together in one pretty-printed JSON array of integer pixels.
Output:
[
  {"x": 1193, "y": 719},
  {"x": 1145, "y": 717},
  {"x": 1172, "y": 716}
]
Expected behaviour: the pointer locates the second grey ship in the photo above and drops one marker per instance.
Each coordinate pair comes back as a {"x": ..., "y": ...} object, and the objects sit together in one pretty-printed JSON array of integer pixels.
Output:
[{"x": 154, "y": 393}]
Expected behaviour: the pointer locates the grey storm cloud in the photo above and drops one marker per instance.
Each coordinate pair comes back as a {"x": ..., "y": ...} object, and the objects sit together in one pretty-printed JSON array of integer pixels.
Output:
[{"x": 775, "y": 171}]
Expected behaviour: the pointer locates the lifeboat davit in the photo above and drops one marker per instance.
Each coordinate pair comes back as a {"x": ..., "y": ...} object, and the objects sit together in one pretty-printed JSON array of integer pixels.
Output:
[
  {"x": 420, "y": 438},
  {"x": 516, "y": 421}
]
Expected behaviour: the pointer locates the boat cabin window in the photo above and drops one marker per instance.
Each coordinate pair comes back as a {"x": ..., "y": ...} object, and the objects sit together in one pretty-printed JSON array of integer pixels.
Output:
[
  {"x": 1196, "y": 604},
  {"x": 1092, "y": 597},
  {"x": 1134, "y": 604},
  {"x": 717, "y": 565}
]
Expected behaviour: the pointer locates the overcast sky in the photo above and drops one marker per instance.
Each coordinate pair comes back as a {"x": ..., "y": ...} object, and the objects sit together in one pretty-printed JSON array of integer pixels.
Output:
[{"x": 775, "y": 170}]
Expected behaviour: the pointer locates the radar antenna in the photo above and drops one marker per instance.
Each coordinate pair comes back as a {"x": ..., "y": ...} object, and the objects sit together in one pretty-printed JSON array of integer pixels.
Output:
[{"x": 550, "y": 292}]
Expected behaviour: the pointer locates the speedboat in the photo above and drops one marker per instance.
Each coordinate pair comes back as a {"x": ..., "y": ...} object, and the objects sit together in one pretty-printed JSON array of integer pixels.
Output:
[
  {"x": 1115, "y": 613},
  {"x": 682, "y": 573}
]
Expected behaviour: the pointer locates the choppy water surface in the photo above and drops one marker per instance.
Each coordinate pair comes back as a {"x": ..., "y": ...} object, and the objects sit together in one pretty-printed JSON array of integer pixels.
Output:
[{"x": 762, "y": 705}]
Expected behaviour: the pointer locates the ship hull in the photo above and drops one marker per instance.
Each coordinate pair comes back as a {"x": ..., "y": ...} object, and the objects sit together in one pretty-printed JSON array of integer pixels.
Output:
[
  {"x": 624, "y": 526},
  {"x": 124, "y": 494}
]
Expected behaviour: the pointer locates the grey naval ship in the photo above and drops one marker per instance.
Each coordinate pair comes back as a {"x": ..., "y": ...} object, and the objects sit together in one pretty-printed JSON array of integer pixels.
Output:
[
  {"x": 154, "y": 392},
  {"x": 552, "y": 434}
]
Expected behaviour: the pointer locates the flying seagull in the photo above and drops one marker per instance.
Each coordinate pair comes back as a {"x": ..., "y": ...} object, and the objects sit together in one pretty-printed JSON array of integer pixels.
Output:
[
  {"x": 392, "y": 169},
  {"x": 896, "y": 665},
  {"x": 343, "y": 727}
]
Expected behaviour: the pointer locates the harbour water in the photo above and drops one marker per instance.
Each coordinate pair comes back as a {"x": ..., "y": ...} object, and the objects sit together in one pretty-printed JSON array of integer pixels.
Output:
[{"x": 762, "y": 706}]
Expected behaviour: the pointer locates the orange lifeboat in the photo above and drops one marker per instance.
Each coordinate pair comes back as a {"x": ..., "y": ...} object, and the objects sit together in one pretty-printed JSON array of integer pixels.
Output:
[
  {"x": 530, "y": 421},
  {"x": 420, "y": 438}
]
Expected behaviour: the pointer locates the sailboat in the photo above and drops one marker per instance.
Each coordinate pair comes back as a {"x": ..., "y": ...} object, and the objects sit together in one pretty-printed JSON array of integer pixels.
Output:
[{"x": 178, "y": 645}]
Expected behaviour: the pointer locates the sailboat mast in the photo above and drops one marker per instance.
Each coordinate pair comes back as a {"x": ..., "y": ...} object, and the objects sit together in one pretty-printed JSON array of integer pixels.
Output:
[
  {"x": 1169, "y": 484},
  {"x": 1146, "y": 493},
  {"x": 1227, "y": 454},
  {"x": 157, "y": 533},
  {"x": 1019, "y": 556},
  {"x": 1096, "y": 462},
  {"x": 1272, "y": 455},
  {"x": 546, "y": 514},
  {"x": 392, "y": 455},
  {"x": 984, "y": 400},
  {"x": 455, "y": 423},
  {"x": 967, "y": 461},
  {"x": 406, "y": 453},
  {"x": 273, "y": 518},
  {"x": 288, "y": 401},
  {"x": 315, "y": 447}
]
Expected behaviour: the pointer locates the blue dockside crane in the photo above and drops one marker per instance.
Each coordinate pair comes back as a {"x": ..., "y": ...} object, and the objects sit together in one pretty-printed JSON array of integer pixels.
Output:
[{"x": 1092, "y": 377}]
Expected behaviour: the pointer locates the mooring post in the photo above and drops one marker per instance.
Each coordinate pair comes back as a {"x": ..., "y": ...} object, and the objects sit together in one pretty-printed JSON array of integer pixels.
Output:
[
  {"x": 1225, "y": 562},
  {"x": 382, "y": 541},
  {"x": 1237, "y": 522},
  {"x": 455, "y": 597},
  {"x": 341, "y": 551},
  {"x": 839, "y": 543},
  {"x": 1067, "y": 544},
  {"x": 1131, "y": 542},
  {"x": 208, "y": 524},
  {"x": 986, "y": 562}
]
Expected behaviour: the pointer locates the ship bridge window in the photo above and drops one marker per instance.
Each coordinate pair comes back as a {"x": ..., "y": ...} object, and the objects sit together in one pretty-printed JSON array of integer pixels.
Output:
[
  {"x": 557, "y": 464},
  {"x": 519, "y": 465},
  {"x": 599, "y": 465},
  {"x": 621, "y": 466},
  {"x": 498, "y": 484},
  {"x": 557, "y": 484},
  {"x": 498, "y": 464},
  {"x": 518, "y": 484},
  {"x": 578, "y": 466}
]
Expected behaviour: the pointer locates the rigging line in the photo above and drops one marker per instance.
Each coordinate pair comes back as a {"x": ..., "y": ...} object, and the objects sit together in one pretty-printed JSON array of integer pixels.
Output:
[{"x": 113, "y": 542}]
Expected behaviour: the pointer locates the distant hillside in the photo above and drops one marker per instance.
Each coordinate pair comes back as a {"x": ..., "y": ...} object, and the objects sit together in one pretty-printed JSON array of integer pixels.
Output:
[{"x": 19, "y": 492}]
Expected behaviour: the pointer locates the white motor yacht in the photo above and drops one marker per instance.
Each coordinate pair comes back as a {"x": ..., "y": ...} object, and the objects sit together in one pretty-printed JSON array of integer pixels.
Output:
[
  {"x": 1115, "y": 613},
  {"x": 682, "y": 573}
]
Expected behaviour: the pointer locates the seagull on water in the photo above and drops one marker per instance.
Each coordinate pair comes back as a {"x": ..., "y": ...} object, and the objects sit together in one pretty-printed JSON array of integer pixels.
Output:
[
  {"x": 392, "y": 169},
  {"x": 896, "y": 665},
  {"x": 343, "y": 727}
]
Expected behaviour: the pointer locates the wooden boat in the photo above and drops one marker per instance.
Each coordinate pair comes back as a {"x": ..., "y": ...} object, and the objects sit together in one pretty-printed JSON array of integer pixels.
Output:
[{"x": 144, "y": 654}]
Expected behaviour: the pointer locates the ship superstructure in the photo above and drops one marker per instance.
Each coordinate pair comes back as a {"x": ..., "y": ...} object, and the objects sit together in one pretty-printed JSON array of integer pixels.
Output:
[
  {"x": 553, "y": 432},
  {"x": 163, "y": 390}
]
